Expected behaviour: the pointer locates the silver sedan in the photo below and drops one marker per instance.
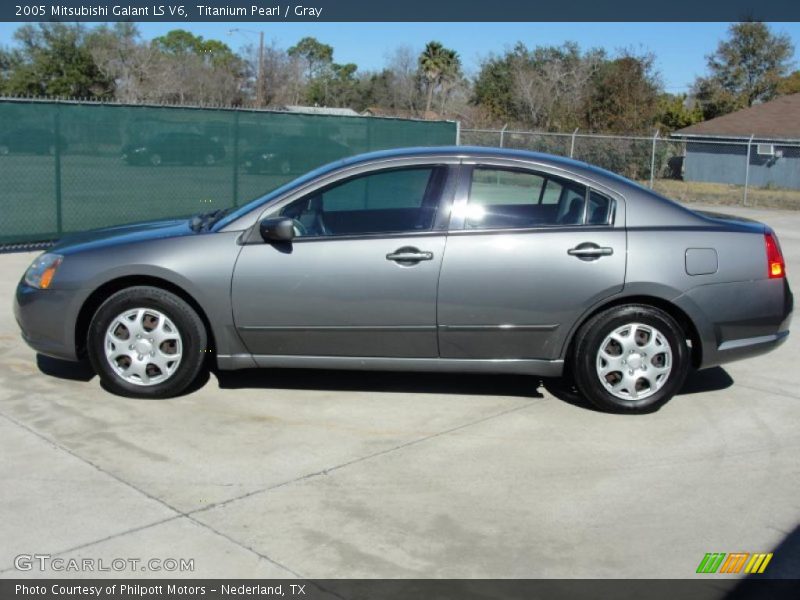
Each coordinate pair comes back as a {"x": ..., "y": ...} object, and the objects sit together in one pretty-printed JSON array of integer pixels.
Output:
[{"x": 445, "y": 259}]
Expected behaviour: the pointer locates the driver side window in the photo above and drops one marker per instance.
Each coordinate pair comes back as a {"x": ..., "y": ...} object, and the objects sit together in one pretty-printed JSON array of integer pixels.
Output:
[{"x": 391, "y": 201}]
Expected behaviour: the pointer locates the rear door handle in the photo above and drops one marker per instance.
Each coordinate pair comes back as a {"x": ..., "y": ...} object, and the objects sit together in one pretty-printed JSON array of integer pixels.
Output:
[
  {"x": 409, "y": 255},
  {"x": 590, "y": 251}
]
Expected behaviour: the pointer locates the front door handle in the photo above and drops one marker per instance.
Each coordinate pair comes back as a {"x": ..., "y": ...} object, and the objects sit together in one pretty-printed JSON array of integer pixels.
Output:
[
  {"x": 409, "y": 255},
  {"x": 590, "y": 251}
]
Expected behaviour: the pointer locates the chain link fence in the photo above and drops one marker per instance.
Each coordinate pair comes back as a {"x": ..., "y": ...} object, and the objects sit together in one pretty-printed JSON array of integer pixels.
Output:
[
  {"x": 71, "y": 166},
  {"x": 747, "y": 171}
]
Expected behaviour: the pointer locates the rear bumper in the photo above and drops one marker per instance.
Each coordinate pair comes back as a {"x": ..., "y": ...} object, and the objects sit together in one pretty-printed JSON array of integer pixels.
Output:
[
  {"x": 741, "y": 319},
  {"x": 748, "y": 347}
]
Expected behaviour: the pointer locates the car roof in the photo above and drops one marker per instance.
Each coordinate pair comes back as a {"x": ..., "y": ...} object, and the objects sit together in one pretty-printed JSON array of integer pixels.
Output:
[
  {"x": 461, "y": 151},
  {"x": 486, "y": 152}
]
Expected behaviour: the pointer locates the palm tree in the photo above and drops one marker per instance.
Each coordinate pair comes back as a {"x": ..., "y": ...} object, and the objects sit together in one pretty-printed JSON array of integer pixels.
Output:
[
  {"x": 450, "y": 77},
  {"x": 432, "y": 64}
]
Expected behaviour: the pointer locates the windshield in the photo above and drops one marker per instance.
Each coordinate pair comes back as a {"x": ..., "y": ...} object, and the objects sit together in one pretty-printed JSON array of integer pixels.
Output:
[
  {"x": 203, "y": 221},
  {"x": 230, "y": 217}
]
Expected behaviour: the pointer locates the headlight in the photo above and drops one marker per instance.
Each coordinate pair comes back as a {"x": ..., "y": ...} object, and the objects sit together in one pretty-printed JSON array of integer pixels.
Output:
[
  {"x": 268, "y": 156},
  {"x": 40, "y": 273}
]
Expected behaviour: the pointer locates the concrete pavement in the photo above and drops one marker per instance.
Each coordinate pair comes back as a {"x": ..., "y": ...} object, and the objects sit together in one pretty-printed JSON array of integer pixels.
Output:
[{"x": 326, "y": 474}]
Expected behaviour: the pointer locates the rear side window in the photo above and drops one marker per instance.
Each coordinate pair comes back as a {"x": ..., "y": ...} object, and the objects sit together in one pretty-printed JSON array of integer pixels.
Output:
[
  {"x": 512, "y": 199},
  {"x": 599, "y": 210}
]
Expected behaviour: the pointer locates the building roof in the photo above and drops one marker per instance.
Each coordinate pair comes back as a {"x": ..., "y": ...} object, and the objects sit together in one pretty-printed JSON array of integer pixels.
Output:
[
  {"x": 322, "y": 110},
  {"x": 402, "y": 113},
  {"x": 778, "y": 119}
]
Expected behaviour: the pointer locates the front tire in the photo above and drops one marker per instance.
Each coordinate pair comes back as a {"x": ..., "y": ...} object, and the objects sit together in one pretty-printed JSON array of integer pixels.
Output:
[
  {"x": 630, "y": 359},
  {"x": 145, "y": 342}
]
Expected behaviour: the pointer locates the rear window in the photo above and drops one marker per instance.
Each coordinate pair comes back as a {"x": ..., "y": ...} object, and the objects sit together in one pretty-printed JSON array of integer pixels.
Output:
[{"x": 511, "y": 199}]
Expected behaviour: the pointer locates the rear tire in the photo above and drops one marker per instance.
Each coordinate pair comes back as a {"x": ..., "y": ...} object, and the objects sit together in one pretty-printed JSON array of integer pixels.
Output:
[
  {"x": 630, "y": 359},
  {"x": 145, "y": 342}
]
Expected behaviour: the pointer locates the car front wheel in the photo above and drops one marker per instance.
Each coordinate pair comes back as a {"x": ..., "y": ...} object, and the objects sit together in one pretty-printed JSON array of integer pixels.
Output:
[
  {"x": 146, "y": 342},
  {"x": 630, "y": 358}
]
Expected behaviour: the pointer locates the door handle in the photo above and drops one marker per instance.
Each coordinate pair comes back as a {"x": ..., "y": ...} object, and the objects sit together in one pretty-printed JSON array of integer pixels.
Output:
[
  {"x": 590, "y": 251},
  {"x": 409, "y": 255}
]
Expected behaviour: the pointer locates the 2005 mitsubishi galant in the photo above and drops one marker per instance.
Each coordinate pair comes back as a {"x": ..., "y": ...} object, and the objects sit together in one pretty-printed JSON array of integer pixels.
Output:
[{"x": 447, "y": 259}]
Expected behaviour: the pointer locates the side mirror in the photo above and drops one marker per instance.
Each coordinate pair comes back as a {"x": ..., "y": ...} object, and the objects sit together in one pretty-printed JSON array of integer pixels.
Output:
[{"x": 277, "y": 229}]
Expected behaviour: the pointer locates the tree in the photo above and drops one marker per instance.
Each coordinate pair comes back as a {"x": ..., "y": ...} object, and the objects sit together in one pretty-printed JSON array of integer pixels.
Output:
[
  {"x": 191, "y": 69},
  {"x": 282, "y": 75},
  {"x": 53, "y": 60},
  {"x": 123, "y": 59},
  {"x": 402, "y": 79},
  {"x": 552, "y": 84},
  {"x": 624, "y": 95},
  {"x": 789, "y": 84},
  {"x": 494, "y": 87},
  {"x": 182, "y": 44},
  {"x": 317, "y": 56},
  {"x": 676, "y": 112},
  {"x": 745, "y": 69},
  {"x": 176, "y": 67},
  {"x": 438, "y": 66},
  {"x": 321, "y": 73}
]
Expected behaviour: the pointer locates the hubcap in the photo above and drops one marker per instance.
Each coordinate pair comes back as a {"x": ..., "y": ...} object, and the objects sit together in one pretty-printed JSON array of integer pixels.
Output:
[
  {"x": 143, "y": 346},
  {"x": 634, "y": 361}
]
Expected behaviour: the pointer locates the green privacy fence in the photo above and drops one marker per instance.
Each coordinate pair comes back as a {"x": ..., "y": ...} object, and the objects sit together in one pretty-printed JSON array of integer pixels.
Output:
[{"x": 72, "y": 166}]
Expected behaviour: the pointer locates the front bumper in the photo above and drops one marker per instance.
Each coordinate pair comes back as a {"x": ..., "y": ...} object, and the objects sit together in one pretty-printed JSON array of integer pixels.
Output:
[{"x": 47, "y": 320}]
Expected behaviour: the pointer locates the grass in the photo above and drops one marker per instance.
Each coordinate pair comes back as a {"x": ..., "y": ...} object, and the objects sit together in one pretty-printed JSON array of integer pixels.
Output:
[{"x": 727, "y": 194}]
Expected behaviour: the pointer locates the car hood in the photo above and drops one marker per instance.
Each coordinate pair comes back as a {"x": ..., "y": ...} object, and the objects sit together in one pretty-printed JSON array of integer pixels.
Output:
[{"x": 122, "y": 234}]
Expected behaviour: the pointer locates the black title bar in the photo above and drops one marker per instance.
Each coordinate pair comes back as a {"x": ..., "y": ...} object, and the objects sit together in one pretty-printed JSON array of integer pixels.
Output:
[
  {"x": 264, "y": 11},
  {"x": 699, "y": 588}
]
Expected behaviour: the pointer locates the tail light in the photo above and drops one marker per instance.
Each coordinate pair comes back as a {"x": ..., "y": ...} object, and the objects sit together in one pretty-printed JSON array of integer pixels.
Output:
[{"x": 776, "y": 267}]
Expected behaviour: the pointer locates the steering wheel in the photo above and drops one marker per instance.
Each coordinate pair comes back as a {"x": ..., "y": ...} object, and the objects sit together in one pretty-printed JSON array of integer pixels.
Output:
[{"x": 299, "y": 229}]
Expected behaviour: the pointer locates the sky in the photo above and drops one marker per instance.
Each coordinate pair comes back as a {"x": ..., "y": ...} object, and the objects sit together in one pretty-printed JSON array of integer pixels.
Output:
[{"x": 680, "y": 48}]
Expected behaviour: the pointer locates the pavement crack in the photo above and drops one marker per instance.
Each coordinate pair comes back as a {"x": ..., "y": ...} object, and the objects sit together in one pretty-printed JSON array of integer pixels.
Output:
[
  {"x": 245, "y": 546},
  {"x": 178, "y": 513},
  {"x": 94, "y": 465},
  {"x": 105, "y": 539},
  {"x": 768, "y": 391}
]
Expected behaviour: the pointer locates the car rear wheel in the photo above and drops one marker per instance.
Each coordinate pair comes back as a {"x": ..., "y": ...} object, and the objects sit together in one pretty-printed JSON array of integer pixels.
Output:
[
  {"x": 630, "y": 358},
  {"x": 155, "y": 159},
  {"x": 209, "y": 159},
  {"x": 146, "y": 342}
]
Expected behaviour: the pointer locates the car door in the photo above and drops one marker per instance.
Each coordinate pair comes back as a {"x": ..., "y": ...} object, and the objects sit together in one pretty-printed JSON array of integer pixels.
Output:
[
  {"x": 359, "y": 278},
  {"x": 527, "y": 253}
]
